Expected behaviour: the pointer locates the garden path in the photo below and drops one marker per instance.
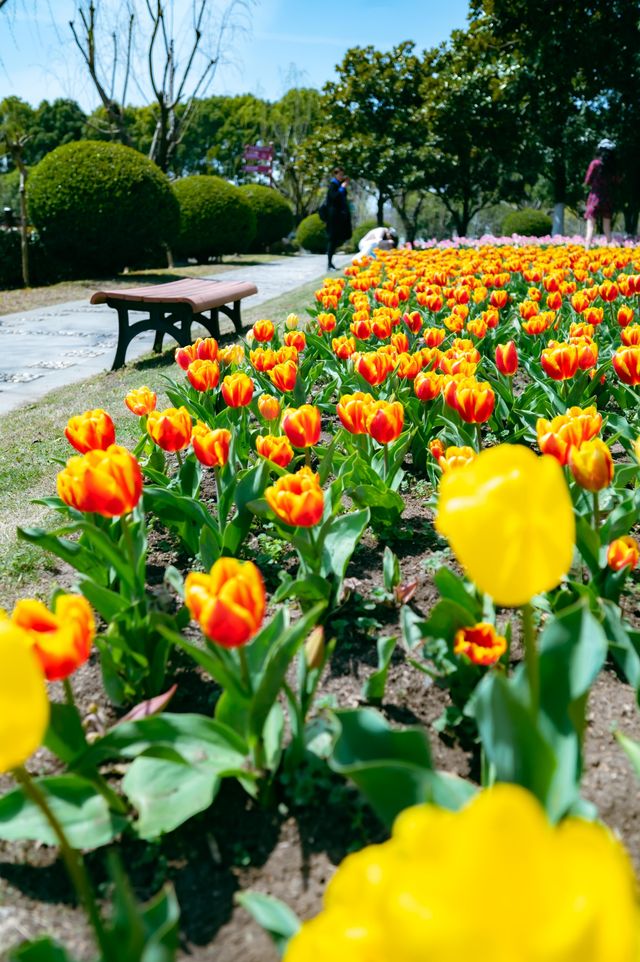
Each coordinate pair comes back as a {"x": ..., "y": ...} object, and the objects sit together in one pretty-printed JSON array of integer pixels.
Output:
[{"x": 48, "y": 347}]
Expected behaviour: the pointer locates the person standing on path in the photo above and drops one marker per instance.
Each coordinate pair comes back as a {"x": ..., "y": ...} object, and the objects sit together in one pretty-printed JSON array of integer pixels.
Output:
[
  {"x": 600, "y": 178},
  {"x": 338, "y": 215}
]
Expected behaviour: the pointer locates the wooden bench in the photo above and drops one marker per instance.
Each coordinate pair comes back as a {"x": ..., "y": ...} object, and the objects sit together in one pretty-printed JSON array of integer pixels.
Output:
[{"x": 172, "y": 308}]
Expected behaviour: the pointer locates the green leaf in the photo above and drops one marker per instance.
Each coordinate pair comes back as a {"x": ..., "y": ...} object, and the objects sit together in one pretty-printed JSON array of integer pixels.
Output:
[
  {"x": 588, "y": 543},
  {"x": 373, "y": 688},
  {"x": 340, "y": 542},
  {"x": 275, "y": 669},
  {"x": 390, "y": 569},
  {"x": 71, "y": 552},
  {"x": 109, "y": 604},
  {"x": 209, "y": 548},
  {"x": 452, "y": 587},
  {"x": 147, "y": 933},
  {"x": 511, "y": 740},
  {"x": 631, "y": 749},
  {"x": 83, "y": 813},
  {"x": 40, "y": 950},
  {"x": 392, "y": 768},
  {"x": 65, "y": 735},
  {"x": 274, "y": 916}
]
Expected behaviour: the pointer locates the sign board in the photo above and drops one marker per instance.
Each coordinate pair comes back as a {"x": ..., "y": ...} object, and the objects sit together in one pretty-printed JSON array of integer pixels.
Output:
[{"x": 254, "y": 152}]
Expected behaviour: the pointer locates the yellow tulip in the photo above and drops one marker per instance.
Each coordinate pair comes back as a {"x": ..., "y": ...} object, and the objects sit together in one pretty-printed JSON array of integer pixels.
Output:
[
  {"x": 24, "y": 706},
  {"x": 509, "y": 520},
  {"x": 431, "y": 892}
]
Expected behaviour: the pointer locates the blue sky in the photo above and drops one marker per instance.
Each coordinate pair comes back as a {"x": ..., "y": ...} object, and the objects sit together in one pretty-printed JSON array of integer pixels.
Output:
[{"x": 285, "y": 42}]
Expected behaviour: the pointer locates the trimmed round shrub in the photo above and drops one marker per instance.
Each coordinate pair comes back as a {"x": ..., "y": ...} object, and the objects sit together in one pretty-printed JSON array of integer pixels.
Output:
[
  {"x": 527, "y": 223},
  {"x": 98, "y": 205},
  {"x": 274, "y": 217},
  {"x": 312, "y": 234},
  {"x": 215, "y": 218}
]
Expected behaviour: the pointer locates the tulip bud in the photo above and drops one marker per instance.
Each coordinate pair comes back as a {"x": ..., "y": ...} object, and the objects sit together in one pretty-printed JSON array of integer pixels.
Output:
[
  {"x": 291, "y": 322},
  {"x": 623, "y": 553},
  {"x": 314, "y": 648},
  {"x": 507, "y": 358}
]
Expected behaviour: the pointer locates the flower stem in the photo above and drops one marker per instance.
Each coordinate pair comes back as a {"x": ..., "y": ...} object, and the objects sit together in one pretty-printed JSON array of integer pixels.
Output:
[
  {"x": 596, "y": 510},
  {"x": 479, "y": 437},
  {"x": 68, "y": 692},
  {"x": 72, "y": 859},
  {"x": 307, "y": 457},
  {"x": 216, "y": 480},
  {"x": 386, "y": 462},
  {"x": 131, "y": 551},
  {"x": 531, "y": 655},
  {"x": 244, "y": 668}
]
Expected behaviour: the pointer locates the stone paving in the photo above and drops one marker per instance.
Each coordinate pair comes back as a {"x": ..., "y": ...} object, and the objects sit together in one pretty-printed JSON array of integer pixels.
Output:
[{"x": 48, "y": 347}]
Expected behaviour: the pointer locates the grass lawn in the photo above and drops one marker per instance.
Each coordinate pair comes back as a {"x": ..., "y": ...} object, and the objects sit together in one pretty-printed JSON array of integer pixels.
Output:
[{"x": 32, "y": 444}]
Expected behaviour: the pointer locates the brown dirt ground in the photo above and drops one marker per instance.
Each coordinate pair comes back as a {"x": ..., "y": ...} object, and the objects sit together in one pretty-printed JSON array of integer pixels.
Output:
[{"x": 291, "y": 850}]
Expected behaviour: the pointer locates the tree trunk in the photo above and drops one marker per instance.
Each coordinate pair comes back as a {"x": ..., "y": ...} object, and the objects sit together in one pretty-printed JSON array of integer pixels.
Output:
[
  {"x": 559, "y": 192},
  {"x": 631, "y": 214},
  {"x": 24, "y": 235},
  {"x": 380, "y": 209}
]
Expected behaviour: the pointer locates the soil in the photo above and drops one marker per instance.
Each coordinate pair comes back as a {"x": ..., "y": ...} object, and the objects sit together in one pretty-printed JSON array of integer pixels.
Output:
[{"x": 291, "y": 849}]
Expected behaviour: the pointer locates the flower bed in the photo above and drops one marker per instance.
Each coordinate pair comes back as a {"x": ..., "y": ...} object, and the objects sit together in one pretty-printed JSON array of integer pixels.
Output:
[{"x": 489, "y": 395}]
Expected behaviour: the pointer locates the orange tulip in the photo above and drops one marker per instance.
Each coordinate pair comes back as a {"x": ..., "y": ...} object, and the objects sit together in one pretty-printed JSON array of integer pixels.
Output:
[
  {"x": 352, "y": 409},
  {"x": 361, "y": 329},
  {"x": 608, "y": 291},
  {"x": 62, "y": 638},
  {"x": 326, "y": 322},
  {"x": 560, "y": 361},
  {"x": 554, "y": 301},
  {"x": 473, "y": 400},
  {"x": 427, "y": 385},
  {"x": 263, "y": 359},
  {"x": 580, "y": 329},
  {"x": 592, "y": 465},
  {"x": 481, "y": 644},
  {"x": 626, "y": 363},
  {"x": 385, "y": 421},
  {"x": 297, "y": 499},
  {"x": 170, "y": 429},
  {"x": 269, "y": 407},
  {"x": 275, "y": 448},
  {"x": 374, "y": 367},
  {"x": 237, "y": 389},
  {"x": 343, "y": 347},
  {"x": 302, "y": 425},
  {"x": 203, "y": 375},
  {"x": 186, "y": 355},
  {"x": 90, "y": 431},
  {"x": 594, "y": 315},
  {"x": 434, "y": 336},
  {"x": 400, "y": 342},
  {"x": 456, "y": 457},
  {"x": 528, "y": 309},
  {"x": 624, "y": 315},
  {"x": 436, "y": 448},
  {"x": 296, "y": 339},
  {"x": 565, "y": 431},
  {"x": 580, "y": 302},
  {"x": 498, "y": 299},
  {"x": 263, "y": 330},
  {"x": 538, "y": 324},
  {"x": 507, "y": 358},
  {"x": 211, "y": 445},
  {"x": 283, "y": 376},
  {"x": 228, "y": 603},
  {"x": 630, "y": 336},
  {"x": 105, "y": 482},
  {"x": 233, "y": 354},
  {"x": 587, "y": 353},
  {"x": 206, "y": 349},
  {"x": 623, "y": 553},
  {"x": 141, "y": 400},
  {"x": 408, "y": 366},
  {"x": 413, "y": 320}
]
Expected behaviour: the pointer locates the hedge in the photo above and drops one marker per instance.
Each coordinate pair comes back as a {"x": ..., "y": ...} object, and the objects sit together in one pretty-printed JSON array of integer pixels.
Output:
[
  {"x": 215, "y": 218},
  {"x": 312, "y": 234},
  {"x": 527, "y": 222},
  {"x": 99, "y": 206},
  {"x": 274, "y": 217}
]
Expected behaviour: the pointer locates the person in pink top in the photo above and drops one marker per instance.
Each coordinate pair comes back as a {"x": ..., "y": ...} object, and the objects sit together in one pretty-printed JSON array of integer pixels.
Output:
[{"x": 600, "y": 178}]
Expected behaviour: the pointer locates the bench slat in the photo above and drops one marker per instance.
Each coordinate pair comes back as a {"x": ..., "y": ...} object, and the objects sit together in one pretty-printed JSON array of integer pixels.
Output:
[{"x": 201, "y": 295}]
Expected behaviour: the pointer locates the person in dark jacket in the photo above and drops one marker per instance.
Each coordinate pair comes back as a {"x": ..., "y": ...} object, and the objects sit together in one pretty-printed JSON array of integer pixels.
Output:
[
  {"x": 601, "y": 180},
  {"x": 338, "y": 214}
]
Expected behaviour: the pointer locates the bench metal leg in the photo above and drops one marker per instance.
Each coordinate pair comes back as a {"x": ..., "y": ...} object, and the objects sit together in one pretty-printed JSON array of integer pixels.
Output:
[
  {"x": 124, "y": 338},
  {"x": 233, "y": 313}
]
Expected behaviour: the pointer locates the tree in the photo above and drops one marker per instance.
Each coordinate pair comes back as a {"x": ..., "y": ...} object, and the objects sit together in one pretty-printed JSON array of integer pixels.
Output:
[
  {"x": 292, "y": 120},
  {"x": 180, "y": 61},
  {"x": 475, "y": 146},
  {"x": 561, "y": 74},
  {"x": 54, "y": 124},
  {"x": 371, "y": 120},
  {"x": 16, "y": 120}
]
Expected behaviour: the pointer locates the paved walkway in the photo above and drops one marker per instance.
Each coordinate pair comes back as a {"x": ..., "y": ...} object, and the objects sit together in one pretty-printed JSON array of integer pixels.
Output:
[{"x": 48, "y": 347}]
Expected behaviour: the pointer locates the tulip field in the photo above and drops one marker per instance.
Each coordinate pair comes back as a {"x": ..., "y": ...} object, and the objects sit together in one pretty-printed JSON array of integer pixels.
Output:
[{"x": 373, "y": 572}]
